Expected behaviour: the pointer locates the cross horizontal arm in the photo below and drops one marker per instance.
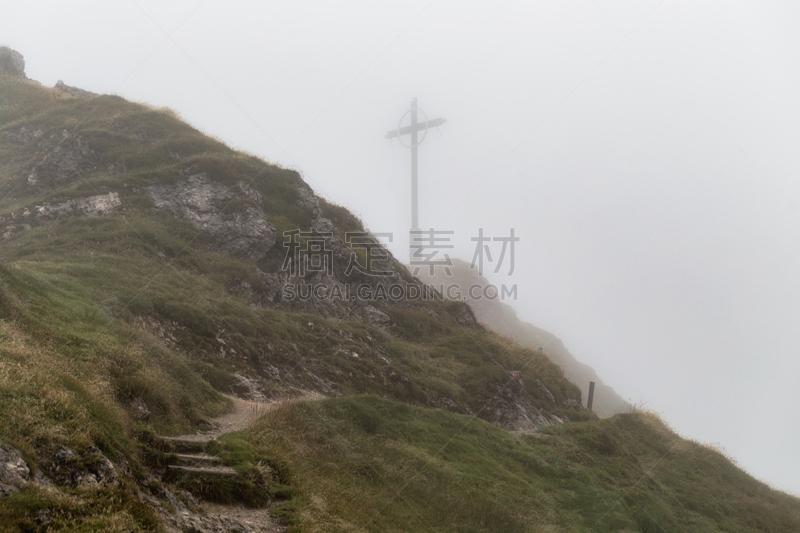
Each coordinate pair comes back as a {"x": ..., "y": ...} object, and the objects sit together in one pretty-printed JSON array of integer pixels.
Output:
[{"x": 421, "y": 126}]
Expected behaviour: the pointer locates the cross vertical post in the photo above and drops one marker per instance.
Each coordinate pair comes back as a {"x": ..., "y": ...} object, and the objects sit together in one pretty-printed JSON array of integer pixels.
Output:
[
  {"x": 413, "y": 130},
  {"x": 414, "y": 168}
]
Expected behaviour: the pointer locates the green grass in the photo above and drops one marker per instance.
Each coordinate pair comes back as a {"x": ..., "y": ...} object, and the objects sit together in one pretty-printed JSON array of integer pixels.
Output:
[
  {"x": 64, "y": 361},
  {"x": 113, "y": 510},
  {"x": 139, "y": 267},
  {"x": 145, "y": 266},
  {"x": 363, "y": 463},
  {"x": 95, "y": 312}
]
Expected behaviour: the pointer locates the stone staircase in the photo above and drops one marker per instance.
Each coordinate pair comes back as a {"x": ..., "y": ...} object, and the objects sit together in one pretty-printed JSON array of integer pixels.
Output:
[
  {"x": 194, "y": 461},
  {"x": 190, "y": 459},
  {"x": 201, "y": 464}
]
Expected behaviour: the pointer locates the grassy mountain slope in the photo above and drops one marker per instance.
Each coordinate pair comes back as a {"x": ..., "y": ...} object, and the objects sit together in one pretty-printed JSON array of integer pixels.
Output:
[
  {"x": 141, "y": 277},
  {"x": 156, "y": 273},
  {"x": 501, "y": 318},
  {"x": 107, "y": 302},
  {"x": 367, "y": 464}
]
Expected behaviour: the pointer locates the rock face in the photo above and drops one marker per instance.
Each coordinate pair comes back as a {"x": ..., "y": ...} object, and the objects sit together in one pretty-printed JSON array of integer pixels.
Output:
[
  {"x": 12, "y": 467},
  {"x": 464, "y": 316},
  {"x": 63, "y": 163},
  {"x": 11, "y": 62},
  {"x": 90, "y": 470},
  {"x": 100, "y": 204},
  {"x": 342, "y": 276},
  {"x": 73, "y": 91},
  {"x": 14, "y": 473},
  {"x": 7, "y": 490},
  {"x": 516, "y": 413},
  {"x": 10, "y": 230},
  {"x": 231, "y": 215},
  {"x": 24, "y": 135},
  {"x": 140, "y": 408},
  {"x": 186, "y": 514}
]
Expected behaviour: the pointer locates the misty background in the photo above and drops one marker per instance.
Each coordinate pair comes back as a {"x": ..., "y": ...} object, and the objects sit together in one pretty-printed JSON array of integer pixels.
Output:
[{"x": 646, "y": 154}]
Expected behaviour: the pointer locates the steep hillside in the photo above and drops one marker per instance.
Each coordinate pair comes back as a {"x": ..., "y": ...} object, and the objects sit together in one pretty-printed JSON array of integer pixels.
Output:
[
  {"x": 145, "y": 270},
  {"x": 151, "y": 278},
  {"x": 144, "y": 221},
  {"x": 502, "y": 318}
]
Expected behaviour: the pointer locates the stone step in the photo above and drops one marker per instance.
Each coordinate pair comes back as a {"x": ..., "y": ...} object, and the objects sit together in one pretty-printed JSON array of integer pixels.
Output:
[
  {"x": 197, "y": 459},
  {"x": 187, "y": 445},
  {"x": 222, "y": 471}
]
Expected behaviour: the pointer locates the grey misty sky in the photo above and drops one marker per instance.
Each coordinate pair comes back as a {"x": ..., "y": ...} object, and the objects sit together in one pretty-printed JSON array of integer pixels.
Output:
[{"x": 645, "y": 152}]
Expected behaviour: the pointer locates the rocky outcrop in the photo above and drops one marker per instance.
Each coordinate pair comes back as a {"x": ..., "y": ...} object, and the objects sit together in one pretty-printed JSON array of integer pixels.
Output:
[
  {"x": 232, "y": 216},
  {"x": 371, "y": 315},
  {"x": 334, "y": 291},
  {"x": 65, "y": 161},
  {"x": 11, "y": 62},
  {"x": 117, "y": 168},
  {"x": 140, "y": 408},
  {"x": 7, "y": 490},
  {"x": 73, "y": 91},
  {"x": 514, "y": 412},
  {"x": 463, "y": 315},
  {"x": 13, "y": 469},
  {"x": 11, "y": 229},
  {"x": 249, "y": 389},
  {"x": 82, "y": 471},
  {"x": 183, "y": 513},
  {"x": 24, "y": 135},
  {"x": 100, "y": 204},
  {"x": 14, "y": 473}
]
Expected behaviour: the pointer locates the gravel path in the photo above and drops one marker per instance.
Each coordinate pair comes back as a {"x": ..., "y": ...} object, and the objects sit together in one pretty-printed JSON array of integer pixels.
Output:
[{"x": 243, "y": 414}]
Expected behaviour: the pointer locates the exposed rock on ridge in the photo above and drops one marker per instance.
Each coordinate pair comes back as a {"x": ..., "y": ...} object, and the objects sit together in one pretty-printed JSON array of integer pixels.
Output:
[
  {"x": 65, "y": 161},
  {"x": 231, "y": 215},
  {"x": 341, "y": 276},
  {"x": 100, "y": 204},
  {"x": 11, "y": 62},
  {"x": 14, "y": 473},
  {"x": 72, "y": 91}
]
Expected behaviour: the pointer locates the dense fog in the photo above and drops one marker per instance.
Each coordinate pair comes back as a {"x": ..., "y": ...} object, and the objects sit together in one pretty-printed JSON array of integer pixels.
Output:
[{"x": 645, "y": 154}]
